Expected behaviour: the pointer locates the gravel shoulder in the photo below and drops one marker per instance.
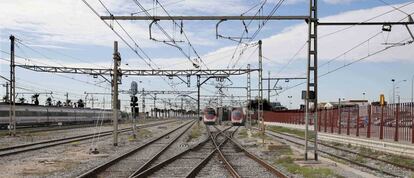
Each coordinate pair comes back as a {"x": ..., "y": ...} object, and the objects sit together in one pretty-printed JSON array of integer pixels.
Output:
[
  {"x": 31, "y": 137},
  {"x": 289, "y": 159}
]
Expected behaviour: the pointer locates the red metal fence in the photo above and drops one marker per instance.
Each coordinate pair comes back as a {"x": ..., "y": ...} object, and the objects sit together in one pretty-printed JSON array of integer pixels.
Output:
[{"x": 390, "y": 122}]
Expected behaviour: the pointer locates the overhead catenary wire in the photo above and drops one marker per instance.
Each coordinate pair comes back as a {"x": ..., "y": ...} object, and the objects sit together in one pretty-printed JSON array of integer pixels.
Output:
[
  {"x": 171, "y": 39},
  {"x": 401, "y": 43},
  {"x": 185, "y": 35},
  {"x": 272, "y": 12},
  {"x": 125, "y": 41},
  {"x": 347, "y": 28},
  {"x": 64, "y": 76}
]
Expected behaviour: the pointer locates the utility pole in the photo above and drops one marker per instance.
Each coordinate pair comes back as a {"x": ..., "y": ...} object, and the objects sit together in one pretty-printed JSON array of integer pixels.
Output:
[
  {"x": 117, "y": 61},
  {"x": 260, "y": 103},
  {"x": 67, "y": 99},
  {"x": 169, "y": 110},
  {"x": 268, "y": 89},
  {"x": 155, "y": 106},
  {"x": 249, "y": 98},
  {"x": 12, "y": 112},
  {"x": 181, "y": 111},
  {"x": 198, "y": 98},
  {"x": 143, "y": 104},
  {"x": 165, "y": 110},
  {"x": 312, "y": 77}
]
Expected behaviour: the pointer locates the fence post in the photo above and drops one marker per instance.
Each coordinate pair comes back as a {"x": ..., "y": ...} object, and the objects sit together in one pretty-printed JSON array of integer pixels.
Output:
[
  {"x": 397, "y": 120},
  {"x": 339, "y": 120},
  {"x": 332, "y": 120},
  {"x": 326, "y": 119},
  {"x": 319, "y": 119},
  {"x": 357, "y": 122},
  {"x": 382, "y": 123},
  {"x": 369, "y": 122},
  {"x": 348, "y": 121},
  {"x": 412, "y": 122}
]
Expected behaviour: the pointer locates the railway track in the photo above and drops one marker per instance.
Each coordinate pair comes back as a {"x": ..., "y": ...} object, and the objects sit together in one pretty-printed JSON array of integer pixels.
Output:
[
  {"x": 323, "y": 147},
  {"x": 198, "y": 160},
  {"x": 242, "y": 163},
  {"x": 208, "y": 166},
  {"x": 186, "y": 163},
  {"x": 140, "y": 158},
  {"x": 35, "y": 129},
  {"x": 6, "y": 151}
]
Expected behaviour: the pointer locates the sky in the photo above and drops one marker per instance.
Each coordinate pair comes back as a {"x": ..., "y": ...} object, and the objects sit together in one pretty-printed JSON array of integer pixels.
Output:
[{"x": 66, "y": 33}]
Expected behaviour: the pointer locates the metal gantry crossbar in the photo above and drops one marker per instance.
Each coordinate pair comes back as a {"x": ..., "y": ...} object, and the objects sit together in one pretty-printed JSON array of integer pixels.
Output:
[{"x": 160, "y": 72}]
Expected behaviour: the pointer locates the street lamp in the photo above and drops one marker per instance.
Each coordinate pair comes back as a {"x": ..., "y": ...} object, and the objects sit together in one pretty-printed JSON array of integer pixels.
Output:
[{"x": 394, "y": 84}]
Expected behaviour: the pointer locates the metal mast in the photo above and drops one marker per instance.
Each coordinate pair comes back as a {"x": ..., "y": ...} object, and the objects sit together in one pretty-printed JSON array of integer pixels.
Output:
[
  {"x": 260, "y": 100},
  {"x": 268, "y": 88},
  {"x": 12, "y": 112},
  {"x": 249, "y": 98},
  {"x": 312, "y": 77},
  {"x": 117, "y": 60}
]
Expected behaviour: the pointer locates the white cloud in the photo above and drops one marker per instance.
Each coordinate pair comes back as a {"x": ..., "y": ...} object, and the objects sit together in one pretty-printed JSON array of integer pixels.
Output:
[{"x": 281, "y": 47}]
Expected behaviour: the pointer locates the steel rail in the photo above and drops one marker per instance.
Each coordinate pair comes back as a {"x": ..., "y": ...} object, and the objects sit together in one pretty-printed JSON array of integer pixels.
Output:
[
  {"x": 227, "y": 164},
  {"x": 157, "y": 155},
  {"x": 197, "y": 169},
  {"x": 263, "y": 163},
  {"x": 160, "y": 165},
  {"x": 93, "y": 172},
  {"x": 333, "y": 155},
  {"x": 356, "y": 153},
  {"x": 56, "y": 142}
]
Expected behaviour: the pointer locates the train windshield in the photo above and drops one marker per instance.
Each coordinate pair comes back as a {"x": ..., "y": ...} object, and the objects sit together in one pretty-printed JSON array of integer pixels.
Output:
[
  {"x": 210, "y": 111},
  {"x": 237, "y": 114}
]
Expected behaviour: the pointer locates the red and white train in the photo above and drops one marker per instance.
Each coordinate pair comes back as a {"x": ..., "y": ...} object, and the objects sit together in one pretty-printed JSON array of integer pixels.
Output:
[
  {"x": 237, "y": 117},
  {"x": 210, "y": 116}
]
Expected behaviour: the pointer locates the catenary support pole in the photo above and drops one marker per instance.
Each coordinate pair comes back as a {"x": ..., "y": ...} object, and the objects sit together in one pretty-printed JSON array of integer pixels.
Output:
[
  {"x": 117, "y": 60},
  {"x": 198, "y": 97},
  {"x": 12, "y": 112},
  {"x": 260, "y": 102}
]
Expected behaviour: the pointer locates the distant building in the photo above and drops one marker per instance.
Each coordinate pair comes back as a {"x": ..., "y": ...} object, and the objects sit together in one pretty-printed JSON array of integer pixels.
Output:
[
  {"x": 276, "y": 106},
  {"x": 349, "y": 103}
]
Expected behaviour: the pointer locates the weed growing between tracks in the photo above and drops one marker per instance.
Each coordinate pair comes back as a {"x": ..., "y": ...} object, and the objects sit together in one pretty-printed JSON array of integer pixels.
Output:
[
  {"x": 243, "y": 133},
  {"x": 307, "y": 172},
  {"x": 196, "y": 131},
  {"x": 141, "y": 133},
  {"x": 389, "y": 157},
  {"x": 296, "y": 132}
]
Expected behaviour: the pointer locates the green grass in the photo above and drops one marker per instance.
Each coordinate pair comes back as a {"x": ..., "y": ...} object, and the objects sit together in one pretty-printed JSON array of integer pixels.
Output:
[
  {"x": 243, "y": 133},
  {"x": 400, "y": 160},
  {"x": 307, "y": 172},
  {"x": 195, "y": 132},
  {"x": 360, "y": 159},
  {"x": 297, "y": 132},
  {"x": 144, "y": 133},
  {"x": 285, "y": 150},
  {"x": 260, "y": 135}
]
